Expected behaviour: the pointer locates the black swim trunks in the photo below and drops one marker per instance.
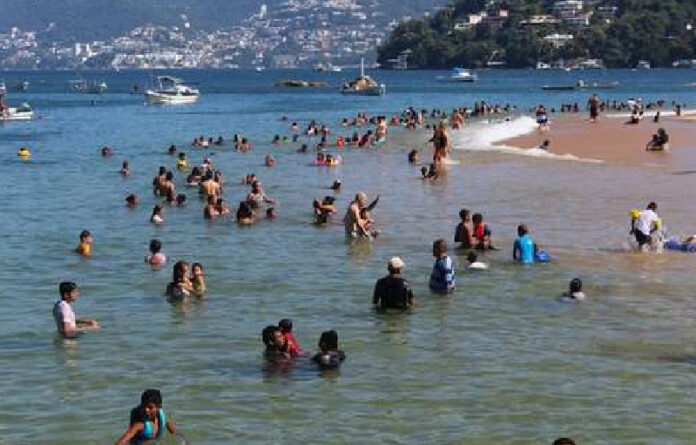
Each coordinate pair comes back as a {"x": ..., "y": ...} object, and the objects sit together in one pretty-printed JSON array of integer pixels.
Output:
[{"x": 642, "y": 238}]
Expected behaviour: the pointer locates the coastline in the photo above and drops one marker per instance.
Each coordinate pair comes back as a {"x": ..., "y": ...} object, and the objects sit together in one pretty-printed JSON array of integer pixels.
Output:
[{"x": 610, "y": 139}]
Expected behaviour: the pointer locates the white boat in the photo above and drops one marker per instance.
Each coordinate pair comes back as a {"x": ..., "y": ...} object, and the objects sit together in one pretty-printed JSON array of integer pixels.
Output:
[
  {"x": 21, "y": 113},
  {"x": 643, "y": 65},
  {"x": 171, "y": 91},
  {"x": 462, "y": 75},
  {"x": 328, "y": 68},
  {"x": 84, "y": 87},
  {"x": 364, "y": 85},
  {"x": 542, "y": 66}
]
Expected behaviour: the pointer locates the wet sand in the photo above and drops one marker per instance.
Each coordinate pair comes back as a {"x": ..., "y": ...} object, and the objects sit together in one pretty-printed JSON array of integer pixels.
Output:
[{"x": 613, "y": 141}]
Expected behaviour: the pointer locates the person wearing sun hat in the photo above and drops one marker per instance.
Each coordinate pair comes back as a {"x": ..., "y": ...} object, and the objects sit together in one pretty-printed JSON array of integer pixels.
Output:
[{"x": 393, "y": 291}]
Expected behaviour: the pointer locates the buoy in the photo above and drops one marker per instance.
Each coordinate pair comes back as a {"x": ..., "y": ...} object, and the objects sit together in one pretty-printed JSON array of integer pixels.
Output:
[{"x": 24, "y": 152}]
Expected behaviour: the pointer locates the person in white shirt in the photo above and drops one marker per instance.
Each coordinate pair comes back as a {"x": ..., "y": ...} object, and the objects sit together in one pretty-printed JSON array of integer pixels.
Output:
[
  {"x": 474, "y": 263},
  {"x": 647, "y": 223},
  {"x": 66, "y": 322}
]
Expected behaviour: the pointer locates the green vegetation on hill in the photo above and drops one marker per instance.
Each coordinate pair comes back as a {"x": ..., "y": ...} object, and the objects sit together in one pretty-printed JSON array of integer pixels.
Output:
[{"x": 659, "y": 31}]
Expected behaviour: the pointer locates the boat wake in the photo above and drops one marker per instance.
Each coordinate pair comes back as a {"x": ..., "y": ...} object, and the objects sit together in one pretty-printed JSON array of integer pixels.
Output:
[{"x": 486, "y": 136}]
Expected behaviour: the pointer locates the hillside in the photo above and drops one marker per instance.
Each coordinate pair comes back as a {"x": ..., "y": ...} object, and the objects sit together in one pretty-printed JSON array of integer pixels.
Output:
[
  {"x": 519, "y": 33},
  {"x": 85, "y": 20}
]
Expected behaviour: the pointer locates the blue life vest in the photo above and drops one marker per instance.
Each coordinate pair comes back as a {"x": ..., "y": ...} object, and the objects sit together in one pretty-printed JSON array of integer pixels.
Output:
[{"x": 148, "y": 431}]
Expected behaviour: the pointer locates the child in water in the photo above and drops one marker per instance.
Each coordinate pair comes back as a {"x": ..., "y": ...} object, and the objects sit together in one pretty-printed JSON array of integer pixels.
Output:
[
  {"x": 462, "y": 233},
  {"x": 197, "y": 278},
  {"x": 575, "y": 292},
  {"x": 481, "y": 233},
  {"x": 85, "y": 246},
  {"x": 442, "y": 276},
  {"x": 147, "y": 420},
  {"x": 155, "y": 257},
  {"x": 369, "y": 229},
  {"x": 293, "y": 346},
  {"x": 329, "y": 356}
]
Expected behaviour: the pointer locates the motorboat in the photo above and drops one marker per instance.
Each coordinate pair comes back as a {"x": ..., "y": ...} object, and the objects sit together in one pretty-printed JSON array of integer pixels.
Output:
[
  {"x": 21, "y": 113},
  {"x": 643, "y": 65},
  {"x": 171, "y": 91},
  {"x": 363, "y": 85},
  {"x": 462, "y": 75},
  {"x": 542, "y": 66},
  {"x": 7, "y": 113},
  {"x": 82, "y": 86}
]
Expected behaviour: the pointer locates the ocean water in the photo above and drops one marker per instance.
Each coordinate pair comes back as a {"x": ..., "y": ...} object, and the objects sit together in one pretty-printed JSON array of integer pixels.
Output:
[{"x": 500, "y": 360}]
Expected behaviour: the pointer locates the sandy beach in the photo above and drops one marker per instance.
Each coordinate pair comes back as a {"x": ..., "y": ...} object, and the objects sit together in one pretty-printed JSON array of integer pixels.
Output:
[{"x": 613, "y": 141}]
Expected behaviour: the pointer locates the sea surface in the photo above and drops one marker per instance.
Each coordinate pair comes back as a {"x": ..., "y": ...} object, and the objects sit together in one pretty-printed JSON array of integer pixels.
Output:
[{"x": 498, "y": 361}]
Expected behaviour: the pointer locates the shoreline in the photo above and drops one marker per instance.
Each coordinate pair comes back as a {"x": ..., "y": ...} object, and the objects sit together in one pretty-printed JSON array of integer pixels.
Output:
[{"x": 611, "y": 140}]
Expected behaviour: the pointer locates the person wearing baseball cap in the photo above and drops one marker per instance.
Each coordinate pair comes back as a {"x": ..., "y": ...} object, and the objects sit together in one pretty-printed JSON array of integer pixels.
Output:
[{"x": 393, "y": 291}]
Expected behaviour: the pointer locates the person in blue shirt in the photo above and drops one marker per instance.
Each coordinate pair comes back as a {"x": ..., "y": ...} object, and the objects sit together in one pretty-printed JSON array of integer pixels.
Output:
[
  {"x": 442, "y": 276},
  {"x": 524, "y": 249}
]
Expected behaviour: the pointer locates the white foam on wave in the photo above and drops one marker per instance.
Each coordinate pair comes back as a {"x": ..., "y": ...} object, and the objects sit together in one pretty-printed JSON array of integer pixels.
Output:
[{"x": 485, "y": 136}]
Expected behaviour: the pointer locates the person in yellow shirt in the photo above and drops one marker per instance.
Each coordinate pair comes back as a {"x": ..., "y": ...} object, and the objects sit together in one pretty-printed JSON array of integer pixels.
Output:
[{"x": 85, "y": 246}]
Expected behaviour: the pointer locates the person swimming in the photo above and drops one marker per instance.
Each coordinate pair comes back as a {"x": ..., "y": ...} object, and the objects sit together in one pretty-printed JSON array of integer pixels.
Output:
[
  {"x": 125, "y": 169},
  {"x": 156, "y": 257},
  {"x": 131, "y": 201},
  {"x": 245, "y": 214},
  {"x": 198, "y": 278},
  {"x": 157, "y": 216},
  {"x": 276, "y": 343},
  {"x": 180, "y": 287},
  {"x": 148, "y": 420},
  {"x": 329, "y": 356},
  {"x": 182, "y": 163},
  {"x": 474, "y": 263},
  {"x": 574, "y": 293},
  {"x": 85, "y": 246}
]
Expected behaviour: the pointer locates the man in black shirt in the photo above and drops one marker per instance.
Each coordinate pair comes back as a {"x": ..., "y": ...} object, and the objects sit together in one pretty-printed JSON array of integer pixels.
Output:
[{"x": 392, "y": 291}]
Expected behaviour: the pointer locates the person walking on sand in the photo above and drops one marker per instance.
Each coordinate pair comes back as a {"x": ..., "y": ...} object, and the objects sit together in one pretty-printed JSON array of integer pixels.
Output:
[{"x": 593, "y": 105}]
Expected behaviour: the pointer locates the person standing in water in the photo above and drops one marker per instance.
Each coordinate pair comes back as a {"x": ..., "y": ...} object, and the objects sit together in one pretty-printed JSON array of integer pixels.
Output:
[
  {"x": 66, "y": 322},
  {"x": 393, "y": 291},
  {"x": 593, "y": 105},
  {"x": 442, "y": 276},
  {"x": 646, "y": 224},
  {"x": 524, "y": 248}
]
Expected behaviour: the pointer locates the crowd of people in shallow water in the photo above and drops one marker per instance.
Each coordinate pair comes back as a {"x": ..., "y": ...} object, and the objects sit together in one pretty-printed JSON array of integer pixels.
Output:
[{"x": 472, "y": 235}]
